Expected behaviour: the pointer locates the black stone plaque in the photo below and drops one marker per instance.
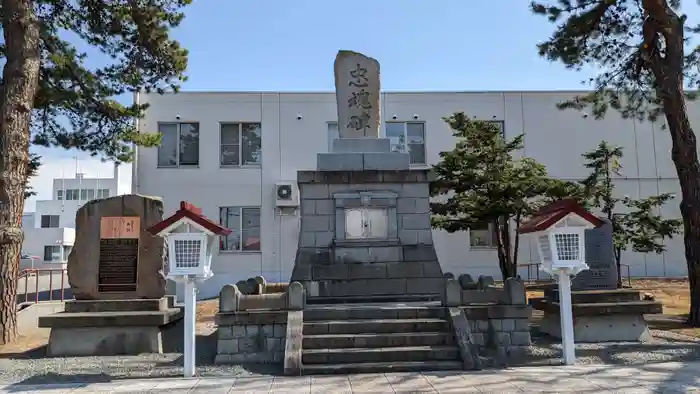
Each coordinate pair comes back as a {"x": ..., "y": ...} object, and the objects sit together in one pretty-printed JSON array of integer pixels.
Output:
[{"x": 118, "y": 264}]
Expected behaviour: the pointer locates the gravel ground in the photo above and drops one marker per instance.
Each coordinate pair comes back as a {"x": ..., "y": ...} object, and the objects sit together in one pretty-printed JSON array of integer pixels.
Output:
[{"x": 32, "y": 369}]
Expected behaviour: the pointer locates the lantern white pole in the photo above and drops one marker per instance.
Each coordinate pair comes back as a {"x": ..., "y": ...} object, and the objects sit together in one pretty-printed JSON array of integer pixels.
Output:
[
  {"x": 566, "y": 317},
  {"x": 190, "y": 324}
]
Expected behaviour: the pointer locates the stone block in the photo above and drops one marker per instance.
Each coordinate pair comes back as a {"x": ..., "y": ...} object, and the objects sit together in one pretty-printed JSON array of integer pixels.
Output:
[
  {"x": 515, "y": 291},
  {"x": 478, "y": 338},
  {"x": 308, "y": 207},
  {"x": 251, "y": 330},
  {"x": 330, "y": 271},
  {"x": 296, "y": 296},
  {"x": 272, "y": 344},
  {"x": 483, "y": 325},
  {"x": 415, "y": 190},
  {"x": 420, "y": 253},
  {"x": 367, "y": 271},
  {"x": 409, "y": 269},
  {"x": 520, "y": 338},
  {"x": 408, "y": 237},
  {"x": 267, "y": 330},
  {"x": 453, "y": 293},
  {"x": 324, "y": 238},
  {"x": 280, "y": 330},
  {"x": 496, "y": 324},
  {"x": 361, "y": 145},
  {"x": 508, "y": 325},
  {"x": 238, "y": 331},
  {"x": 228, "y": 298},
  {"x": 425, "y": 285},
  {"x": 307, "y": 238},
  {"x": 425, "y": 237},
  {"x": 414, "y": 221},
  {"x": 431, "y": 269},
  {"x": 314, "y": 191},
  {"x": 390, "y": 161},
  {"x": 502, "y": 338},
  {"x": 358, "y": 254},
  {"x": 224, "y": 332},
  {"x": 466, "y": 282},
  {"x": 339, "y": 161},
  {"x": 485, "y": 281},
  {"x": 227, "y": 346},
  {"x": 522, "y": 325},
  {"x": 104, "y": 341},
  {"x": 406, "y": 205},
  {"x": 317, "y": 223},
  {"x": 324, "y": 207},
  {"x": 293, "y": 342}
]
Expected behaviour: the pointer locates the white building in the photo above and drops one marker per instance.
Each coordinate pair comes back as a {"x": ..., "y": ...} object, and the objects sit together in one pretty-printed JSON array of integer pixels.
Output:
[
  {"x": 225, "y": 151},
  {"x": 49, "y": 232}
]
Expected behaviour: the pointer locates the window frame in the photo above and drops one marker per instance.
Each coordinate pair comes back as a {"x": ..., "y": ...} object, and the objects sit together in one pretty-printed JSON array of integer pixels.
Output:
[
  {"x": 240, "y": 145},
  {"x": 240, "y": 230},
  {"x": 405, "y": 134},
  {"x": 58, "y": 221},
  {"x": 102, "y": 193},
  {"x": 492, "y": 244},
  {"x": 59, "y": 194},
  {"x": 179, "y": 141},
  {"x": 69, "y": 192},
  {"x": 51, "y": 260}
]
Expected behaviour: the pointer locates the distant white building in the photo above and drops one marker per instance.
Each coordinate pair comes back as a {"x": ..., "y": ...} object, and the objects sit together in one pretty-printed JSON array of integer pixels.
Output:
[{"x": 49, "y": 232}]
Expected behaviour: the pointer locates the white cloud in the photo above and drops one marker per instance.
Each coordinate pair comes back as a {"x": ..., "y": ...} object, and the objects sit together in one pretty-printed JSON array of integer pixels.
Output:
[{"x": 60, "y": 167}]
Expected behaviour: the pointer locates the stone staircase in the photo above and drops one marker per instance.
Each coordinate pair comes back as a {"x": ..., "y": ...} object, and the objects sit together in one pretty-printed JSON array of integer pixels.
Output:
[{"x": 378, "y": 337}]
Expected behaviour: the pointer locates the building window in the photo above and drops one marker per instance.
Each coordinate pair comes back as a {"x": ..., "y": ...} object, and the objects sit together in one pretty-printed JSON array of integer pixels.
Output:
[
  {"x": 244, "y": 224},
  {"x": 83, "y": 194},
  {"x": 179, "y": 146},
  {"x": 90, "y": 194},
  {"x": 499, "y": 125},
  {"x": 102, "y": 193},
  {"x": 49, "y": 221},
  {"x": 72, "y": 194},
  {"x": 483, "y": 235},
  {"x": 59, "y": 194},
  {"x": 241, "y": 144},
  {"x": 407, "y": 137},
  {"x": 52, "y": 253}
]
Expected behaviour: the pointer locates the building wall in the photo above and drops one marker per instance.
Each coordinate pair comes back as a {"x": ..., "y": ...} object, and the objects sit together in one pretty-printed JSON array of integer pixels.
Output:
[{"x": 295, "y": 128}]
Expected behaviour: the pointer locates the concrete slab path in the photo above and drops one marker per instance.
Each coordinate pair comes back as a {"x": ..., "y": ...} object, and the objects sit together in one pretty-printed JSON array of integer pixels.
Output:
[{"x": 594, "y": 379}]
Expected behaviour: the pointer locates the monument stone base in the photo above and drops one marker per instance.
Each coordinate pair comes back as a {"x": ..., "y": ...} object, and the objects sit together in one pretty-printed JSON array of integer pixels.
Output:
[
  {"x": 600, "y": 315},
  {"x": 110, "y": 327}
]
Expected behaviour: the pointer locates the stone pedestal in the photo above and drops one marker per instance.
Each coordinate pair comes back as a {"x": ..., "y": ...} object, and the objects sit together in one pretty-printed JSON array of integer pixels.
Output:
[
  {"x": 600, "y": 315},
  {"x": 402, "y": 262},
  {"x": 110, "y": 327}
]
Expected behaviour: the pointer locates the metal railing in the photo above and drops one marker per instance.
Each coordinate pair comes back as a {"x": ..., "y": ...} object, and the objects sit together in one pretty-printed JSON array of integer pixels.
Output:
[{"x": 36, "y": 274}]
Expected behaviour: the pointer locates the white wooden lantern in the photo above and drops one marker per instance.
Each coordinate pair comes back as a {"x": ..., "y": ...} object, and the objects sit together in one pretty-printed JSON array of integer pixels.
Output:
[
  {"x": 559, "y": 230},
  {"x": 190, "y": 238}
]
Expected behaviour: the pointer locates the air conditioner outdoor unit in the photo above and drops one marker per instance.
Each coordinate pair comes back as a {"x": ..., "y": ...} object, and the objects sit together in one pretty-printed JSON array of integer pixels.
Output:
[{"x": 286, "y": 195}]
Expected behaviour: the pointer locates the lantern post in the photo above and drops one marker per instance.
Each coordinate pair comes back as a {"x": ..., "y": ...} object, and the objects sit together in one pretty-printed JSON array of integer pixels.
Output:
[
  {"x": 189, "y": 238},
  {"x": 559, "y": 230}
]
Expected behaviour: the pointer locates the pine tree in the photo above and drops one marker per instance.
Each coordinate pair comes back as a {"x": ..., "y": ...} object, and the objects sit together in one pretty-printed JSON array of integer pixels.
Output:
[
  {"x": 50, "y": 97},
  {"x": 480, "y": 181},
  {"x": 32, "y": 170},
  {"x": 640, "y": 228},
  {"x": 639, "y": 49}
]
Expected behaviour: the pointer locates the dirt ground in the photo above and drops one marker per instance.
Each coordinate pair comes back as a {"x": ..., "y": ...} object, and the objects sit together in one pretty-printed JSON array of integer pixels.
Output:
[{"x": 674, "y": 295}]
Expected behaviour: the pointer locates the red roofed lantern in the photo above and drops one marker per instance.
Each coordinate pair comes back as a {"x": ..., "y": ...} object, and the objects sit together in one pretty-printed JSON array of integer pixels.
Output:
[
  {"x": 190, "y": 237},
  {"x": 559, "y": 229}
]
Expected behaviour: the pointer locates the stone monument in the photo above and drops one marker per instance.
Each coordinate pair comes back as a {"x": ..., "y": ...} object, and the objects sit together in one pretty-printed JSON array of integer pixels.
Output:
[
  {"x": 602, "y": 270},
  {"x": 365, "y": 221},
  {"x": 115, "y": 271}
]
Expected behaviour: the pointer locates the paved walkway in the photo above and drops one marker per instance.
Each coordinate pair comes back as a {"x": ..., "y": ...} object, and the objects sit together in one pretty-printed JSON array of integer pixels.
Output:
[{"x": 653, "y": 378}]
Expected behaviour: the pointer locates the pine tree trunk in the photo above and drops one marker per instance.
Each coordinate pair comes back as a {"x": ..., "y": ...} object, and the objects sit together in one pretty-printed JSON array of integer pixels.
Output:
[
  {"x": 20, "y": 80},
  {"x": 685, "y": 158}
]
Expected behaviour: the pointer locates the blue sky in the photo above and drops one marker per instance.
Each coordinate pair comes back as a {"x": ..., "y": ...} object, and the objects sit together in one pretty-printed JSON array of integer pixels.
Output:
[{"x": 290, "y": 45}]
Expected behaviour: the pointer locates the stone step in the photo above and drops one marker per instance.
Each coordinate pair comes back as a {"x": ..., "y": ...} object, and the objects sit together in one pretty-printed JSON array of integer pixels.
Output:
[
  {"x": 331, "y": 341},
  {"x": 386, "y": 355},
  {"x": 367, "y": 312},
  {"x": 595, "y": 296},
  {"x": 372, "y": 299},
  {"x": 401, "y": 366},
  {"x": 375, "y": 326}
]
